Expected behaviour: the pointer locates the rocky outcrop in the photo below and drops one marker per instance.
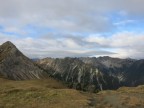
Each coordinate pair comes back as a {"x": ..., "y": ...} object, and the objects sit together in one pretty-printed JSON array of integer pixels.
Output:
[{"x": 14, "y": 65}]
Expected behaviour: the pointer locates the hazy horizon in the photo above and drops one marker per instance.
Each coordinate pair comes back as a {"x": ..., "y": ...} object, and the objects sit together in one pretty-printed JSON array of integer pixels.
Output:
[{"x": 74, "y": 28}]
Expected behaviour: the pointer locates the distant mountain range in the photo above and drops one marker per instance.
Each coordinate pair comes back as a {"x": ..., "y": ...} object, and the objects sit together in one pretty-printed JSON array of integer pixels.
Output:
[
  {"x": 92, "y": 74},
  {"x": 85, "y": 73}
]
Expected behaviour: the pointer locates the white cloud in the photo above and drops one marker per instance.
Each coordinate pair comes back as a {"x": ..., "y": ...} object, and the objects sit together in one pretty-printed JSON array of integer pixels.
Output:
[
  {"x": 54, "y": 47},
  {"x": 124, "y": 22},
  {"x": 71, "y": 16},
  {"x": 125, "y": 44}
]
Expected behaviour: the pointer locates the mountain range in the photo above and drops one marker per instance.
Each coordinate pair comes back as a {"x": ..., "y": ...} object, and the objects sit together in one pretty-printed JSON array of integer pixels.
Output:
[{"x": 83, "y": 73}]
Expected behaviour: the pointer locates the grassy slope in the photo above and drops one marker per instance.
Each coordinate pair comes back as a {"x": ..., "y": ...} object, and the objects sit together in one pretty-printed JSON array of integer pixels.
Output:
[
  {"x": 39, "y": 94},
  {"x": 124, "y": 97},
  {"x": 52, "y": 94}
]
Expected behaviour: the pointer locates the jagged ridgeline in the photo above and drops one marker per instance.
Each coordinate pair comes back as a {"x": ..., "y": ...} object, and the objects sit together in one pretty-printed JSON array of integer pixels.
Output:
[
  {"x": 14, "y": 65},
  {"x": 93, "y": 74},
  {"x": 78, "y": 74}
]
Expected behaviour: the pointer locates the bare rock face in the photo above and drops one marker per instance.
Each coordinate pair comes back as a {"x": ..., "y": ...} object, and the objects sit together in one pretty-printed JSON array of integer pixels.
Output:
[
  {"x": 129, "y": 72},
  {"x": 79, "y": 75},
  {"x": 14, "y": 65},
  {"x": 115, "y": 67}
]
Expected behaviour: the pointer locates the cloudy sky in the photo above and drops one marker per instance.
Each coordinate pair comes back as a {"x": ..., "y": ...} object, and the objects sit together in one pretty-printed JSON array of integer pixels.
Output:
[{"x": 74, "y": 28}]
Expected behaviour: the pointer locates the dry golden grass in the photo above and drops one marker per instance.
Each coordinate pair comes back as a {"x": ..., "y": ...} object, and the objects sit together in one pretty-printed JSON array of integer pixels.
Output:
[
  {"x": 39, "y": 94},
  {"x": 124, "y": 97},
  {"x": 50, "y": 93}
]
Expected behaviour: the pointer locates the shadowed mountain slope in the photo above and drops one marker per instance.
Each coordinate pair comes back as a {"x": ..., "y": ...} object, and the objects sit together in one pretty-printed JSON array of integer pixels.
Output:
[{"x": 135, "y": 74}]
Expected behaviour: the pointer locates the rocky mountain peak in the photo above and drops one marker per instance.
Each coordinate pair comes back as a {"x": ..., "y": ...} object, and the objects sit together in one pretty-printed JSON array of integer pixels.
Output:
[
  {"x": 8, "y": 49},
  {"x": 7, "y": 46},
  {"x": 9, "y": 43},
  {"x": 14, "y": 65}
]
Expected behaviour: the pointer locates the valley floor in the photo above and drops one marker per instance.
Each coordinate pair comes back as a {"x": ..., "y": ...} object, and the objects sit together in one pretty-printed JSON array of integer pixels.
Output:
[{"x": 52, "y": 94}]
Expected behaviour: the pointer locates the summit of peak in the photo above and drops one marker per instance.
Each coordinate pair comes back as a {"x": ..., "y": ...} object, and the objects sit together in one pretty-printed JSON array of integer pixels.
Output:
[{"x": 8, "y": 43}]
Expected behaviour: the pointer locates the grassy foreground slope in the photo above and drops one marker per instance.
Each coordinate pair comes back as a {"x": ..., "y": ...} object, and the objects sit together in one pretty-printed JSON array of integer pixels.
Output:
[
  {"x": 124, "y": 97},
  {"x": 46, "y": 93},
  {"x": 49, "y": 93}
]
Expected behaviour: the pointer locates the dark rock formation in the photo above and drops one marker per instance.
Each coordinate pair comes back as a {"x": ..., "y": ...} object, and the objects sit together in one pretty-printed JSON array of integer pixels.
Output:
[{"x": 135, "y": 74}]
